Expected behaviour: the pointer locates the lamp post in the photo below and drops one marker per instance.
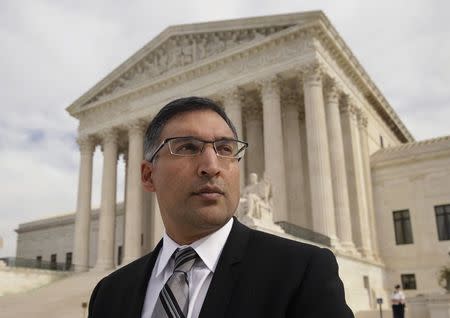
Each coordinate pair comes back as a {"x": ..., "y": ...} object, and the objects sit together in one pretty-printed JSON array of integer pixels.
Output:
[{"x": 380, "y": 302}]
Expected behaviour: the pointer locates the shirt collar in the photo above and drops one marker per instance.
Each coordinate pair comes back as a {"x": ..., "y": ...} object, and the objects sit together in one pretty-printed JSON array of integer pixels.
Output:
[{"x": 208, "y": 248}]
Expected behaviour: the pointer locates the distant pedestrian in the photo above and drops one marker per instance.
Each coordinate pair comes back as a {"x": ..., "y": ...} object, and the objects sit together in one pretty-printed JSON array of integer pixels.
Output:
[{"x": 398, "y": 303}]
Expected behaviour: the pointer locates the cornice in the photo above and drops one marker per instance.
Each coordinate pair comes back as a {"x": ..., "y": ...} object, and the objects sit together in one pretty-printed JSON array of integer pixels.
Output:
[
  {"x": 429, "y": 147},
  {"x": 335, "y": 45},
  {"x": 61, "y": 220}
]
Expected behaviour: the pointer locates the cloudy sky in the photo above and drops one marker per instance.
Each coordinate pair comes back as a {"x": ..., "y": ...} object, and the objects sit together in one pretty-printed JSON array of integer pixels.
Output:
[{"x": 54, "y": 51}]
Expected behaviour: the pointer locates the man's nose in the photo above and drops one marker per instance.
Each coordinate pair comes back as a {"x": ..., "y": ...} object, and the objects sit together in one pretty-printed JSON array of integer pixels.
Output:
[{"x": 209, "y": 164}]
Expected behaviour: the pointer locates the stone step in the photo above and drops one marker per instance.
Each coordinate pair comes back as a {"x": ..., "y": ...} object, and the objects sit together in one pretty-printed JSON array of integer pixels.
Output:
[{"x": 60, "y": 299}]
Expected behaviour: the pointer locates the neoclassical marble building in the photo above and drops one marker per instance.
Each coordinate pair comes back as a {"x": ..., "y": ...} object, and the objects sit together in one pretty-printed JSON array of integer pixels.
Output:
[{"x": 318, "y": 127}]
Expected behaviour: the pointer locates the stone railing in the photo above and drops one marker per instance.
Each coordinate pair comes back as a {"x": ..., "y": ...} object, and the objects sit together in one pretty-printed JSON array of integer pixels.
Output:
[{"x": 33, "y": 263}]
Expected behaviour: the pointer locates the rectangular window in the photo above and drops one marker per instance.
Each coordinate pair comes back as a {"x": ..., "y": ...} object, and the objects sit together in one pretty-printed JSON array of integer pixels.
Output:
[
  {"x": 53, "y": 261},
  {"x": 38, "y": 261},
  {"x": 68, "y": 261},
  {"x": 443, "y": 221},
  {"x": 119, "y": 255},
  {"x": 381, "y": 142},
  {"x": 408, "y": 281},
  {"x": 402, "y": 227}
]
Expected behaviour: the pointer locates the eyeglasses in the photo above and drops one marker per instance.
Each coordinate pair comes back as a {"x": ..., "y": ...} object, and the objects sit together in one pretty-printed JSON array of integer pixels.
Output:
[{"x": 191, "y": 147}]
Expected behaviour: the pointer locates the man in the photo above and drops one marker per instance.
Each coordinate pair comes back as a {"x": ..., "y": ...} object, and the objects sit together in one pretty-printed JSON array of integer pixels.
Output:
[
  {"x": 208, "y": 264},
  {"x": 398, "y": 303}
]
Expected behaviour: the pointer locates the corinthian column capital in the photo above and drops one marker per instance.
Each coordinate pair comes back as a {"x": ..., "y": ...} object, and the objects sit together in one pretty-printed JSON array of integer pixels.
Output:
[
  {"x": 347, "y": 107},
  {"x": 362, "y": 119},
  {"x": 252, "y": 110},
  {"x": 86, "y": 144},
  {"x": 332, "y": 92},
  {"x": 109, "y": 135},
  {"x": 136, "y": 127},
  {"x": 312, "y": 74},
  {"x": 269, "y": 87},
  {"x": 232, "y": 95}
]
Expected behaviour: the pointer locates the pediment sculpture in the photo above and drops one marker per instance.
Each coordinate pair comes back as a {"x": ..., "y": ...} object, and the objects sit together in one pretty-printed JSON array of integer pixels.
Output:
[{"x": 181, "y": 50}]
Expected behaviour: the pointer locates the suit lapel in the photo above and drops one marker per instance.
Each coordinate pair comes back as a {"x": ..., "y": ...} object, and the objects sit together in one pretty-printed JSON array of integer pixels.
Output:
[
  {"x": 227, "y": 272},
  {"x": 142, "y": 278}
]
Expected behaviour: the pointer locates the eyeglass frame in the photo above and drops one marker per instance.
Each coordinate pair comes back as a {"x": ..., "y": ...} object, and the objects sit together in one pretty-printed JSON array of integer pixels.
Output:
[{"x": 167, "y": 140}]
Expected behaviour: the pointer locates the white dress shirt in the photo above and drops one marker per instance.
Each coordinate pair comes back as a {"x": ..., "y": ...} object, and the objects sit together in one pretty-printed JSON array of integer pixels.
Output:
[{"x": 208, "y": 249}]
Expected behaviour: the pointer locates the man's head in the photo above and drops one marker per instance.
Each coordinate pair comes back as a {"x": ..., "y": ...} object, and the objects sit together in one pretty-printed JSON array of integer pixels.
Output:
[
  {"x": 197, "y": 194},
  {"x": 182, "y": 105}
]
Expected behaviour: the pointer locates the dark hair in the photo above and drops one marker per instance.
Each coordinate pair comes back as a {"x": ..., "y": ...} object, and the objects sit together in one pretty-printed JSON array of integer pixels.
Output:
[
  {"x": 175, "y": 107},
  {"x": 397, "y": 286}
]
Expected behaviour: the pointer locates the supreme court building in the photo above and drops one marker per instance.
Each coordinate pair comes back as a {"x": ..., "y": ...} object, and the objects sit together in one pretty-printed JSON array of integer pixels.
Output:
[{"x": 345, "y": 172}]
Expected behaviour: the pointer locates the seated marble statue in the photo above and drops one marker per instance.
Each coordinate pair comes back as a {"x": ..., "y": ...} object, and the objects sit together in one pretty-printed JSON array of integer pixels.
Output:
[{"x": 258, "y": 196}]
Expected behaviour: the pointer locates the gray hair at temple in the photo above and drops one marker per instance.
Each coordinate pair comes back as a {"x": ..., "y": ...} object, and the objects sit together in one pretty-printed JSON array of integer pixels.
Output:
[{"x": 175, "y": 107}]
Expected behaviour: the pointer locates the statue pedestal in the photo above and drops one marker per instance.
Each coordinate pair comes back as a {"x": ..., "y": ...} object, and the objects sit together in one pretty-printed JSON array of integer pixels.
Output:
[{"x": 263, "y": 224}]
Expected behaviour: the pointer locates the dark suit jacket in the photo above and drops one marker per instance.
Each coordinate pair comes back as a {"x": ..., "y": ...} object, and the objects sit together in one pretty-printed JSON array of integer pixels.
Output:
[{"x": 258, "y": 275}]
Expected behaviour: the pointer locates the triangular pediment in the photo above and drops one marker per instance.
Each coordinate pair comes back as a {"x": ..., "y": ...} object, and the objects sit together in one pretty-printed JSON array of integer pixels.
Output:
[{"x": 183, "y": 45}]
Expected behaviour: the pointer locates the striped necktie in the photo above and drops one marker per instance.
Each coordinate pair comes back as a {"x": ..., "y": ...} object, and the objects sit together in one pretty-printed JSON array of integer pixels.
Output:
[{"x": 173, "y": 301}]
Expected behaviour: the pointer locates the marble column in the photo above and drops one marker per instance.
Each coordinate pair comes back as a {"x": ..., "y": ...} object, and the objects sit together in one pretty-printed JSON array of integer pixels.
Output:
[
  {"x": 356, "y": 181},
  {"x": 338, "y": 172},
  {"x": 273, "y": 146},
  {"x": 107, "y": 218},
  {"x": 83, "y": 215},
  {"x": 233, "y": 107},
  {"x": 254, "y": 157},
  {"x": 305, "y": 166},
  {"x": 293, "y": 155},
  {"x": 318, "y": 155},
  {"x": 363, "y": 134},
  {"x": 134, "y": 202}
]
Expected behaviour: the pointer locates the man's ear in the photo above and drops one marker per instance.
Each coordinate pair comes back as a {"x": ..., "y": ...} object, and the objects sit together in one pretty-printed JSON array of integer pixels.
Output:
[{"x": 146, "y": 176}]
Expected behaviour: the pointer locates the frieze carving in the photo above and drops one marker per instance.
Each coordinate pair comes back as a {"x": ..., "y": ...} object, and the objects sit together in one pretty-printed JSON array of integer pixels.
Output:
[{"x": 181, "y": 50}]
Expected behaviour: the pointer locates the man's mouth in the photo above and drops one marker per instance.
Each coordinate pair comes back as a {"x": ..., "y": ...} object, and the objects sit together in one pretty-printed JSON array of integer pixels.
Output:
[{"x": 209, "y": 192}]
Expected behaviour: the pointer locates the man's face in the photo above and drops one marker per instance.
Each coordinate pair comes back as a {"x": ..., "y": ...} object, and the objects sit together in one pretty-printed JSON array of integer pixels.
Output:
[{"x": 196, "y": 195}]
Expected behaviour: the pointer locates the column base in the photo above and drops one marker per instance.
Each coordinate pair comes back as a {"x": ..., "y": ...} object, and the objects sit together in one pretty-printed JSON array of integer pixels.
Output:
[
  {"x": 350, "y": 249},
  {"x": 103, "y": 266},
  {"x": 367, "y": 254},
  {"x": 80, "y": 268}
]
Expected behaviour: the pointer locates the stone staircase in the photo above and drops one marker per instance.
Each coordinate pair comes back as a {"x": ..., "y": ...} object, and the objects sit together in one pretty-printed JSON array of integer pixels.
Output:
[{"x": 60, "y": 299}]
